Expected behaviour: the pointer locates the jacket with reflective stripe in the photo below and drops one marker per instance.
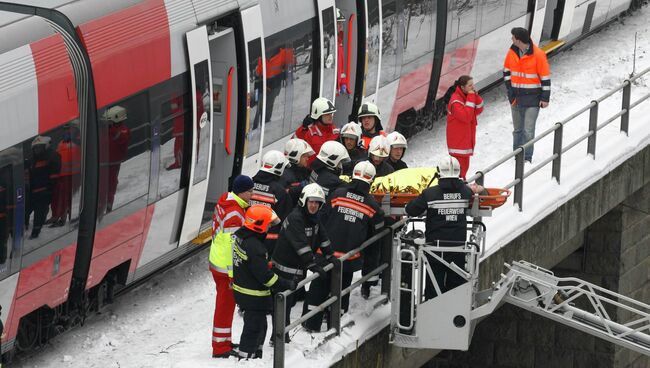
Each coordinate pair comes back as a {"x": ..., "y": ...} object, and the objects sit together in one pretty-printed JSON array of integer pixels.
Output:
[
  {"x": 462, "y": 112},
  {"x": 527, "y": 79},
  {"x": 228, "y": 216},
  {"x": 70, "y": 153}
]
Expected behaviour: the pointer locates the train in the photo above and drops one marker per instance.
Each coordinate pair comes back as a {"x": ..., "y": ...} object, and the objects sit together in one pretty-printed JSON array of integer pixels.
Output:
[{"x": 122, "y": 121}]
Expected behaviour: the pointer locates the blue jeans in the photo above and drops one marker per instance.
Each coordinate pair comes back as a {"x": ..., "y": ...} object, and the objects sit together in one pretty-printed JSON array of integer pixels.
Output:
[{"x": 523, "y": 121}]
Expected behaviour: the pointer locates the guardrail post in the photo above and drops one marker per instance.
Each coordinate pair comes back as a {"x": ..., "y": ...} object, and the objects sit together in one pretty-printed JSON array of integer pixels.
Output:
[
  {"x": 593, "y": 128},
  {"x": 335, "y": 290},
  {"x": 625, "y": 118},
  {"x": 557, "y": 150},
  {"x": 278, "y": 330},
  {"x": 386, "y": 253},
  {"x": 519, "y": 174}
]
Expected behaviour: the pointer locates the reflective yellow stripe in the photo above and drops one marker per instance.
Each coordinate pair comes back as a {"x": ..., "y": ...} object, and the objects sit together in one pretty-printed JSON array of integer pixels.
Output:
[
  {"x": 251, "y": 291},
  {"x": 271, "y": 281}
]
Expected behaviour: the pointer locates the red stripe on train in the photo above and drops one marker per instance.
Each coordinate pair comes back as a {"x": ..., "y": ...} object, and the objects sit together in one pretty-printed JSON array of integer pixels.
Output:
[
  {"x": 129, "y": 50},
  {"x": 57, "y": 94}
]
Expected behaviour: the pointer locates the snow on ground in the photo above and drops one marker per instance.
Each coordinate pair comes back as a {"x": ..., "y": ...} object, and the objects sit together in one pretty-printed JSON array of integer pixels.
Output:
[{"x": 167, "y": 322}]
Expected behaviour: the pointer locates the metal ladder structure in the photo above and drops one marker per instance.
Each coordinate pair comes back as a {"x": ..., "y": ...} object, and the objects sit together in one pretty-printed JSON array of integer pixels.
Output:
[{"x": 447, "y": 321}]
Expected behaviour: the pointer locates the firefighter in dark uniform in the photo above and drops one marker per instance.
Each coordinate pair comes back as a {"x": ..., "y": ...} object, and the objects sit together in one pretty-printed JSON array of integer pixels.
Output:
[
  {"x": 296, "y": 175},
  {"x": 398, "y": 147},
  {"x": 351, "y": 215},
  {"x": 351, "y": 138},
  {"x": 269, "y": 190},
  {"x": 328, "y": 165},
  {"x": 43, "y": 171},
  {"x": 378, "y": 151},
  {"x": 303, "y": 244},
  {"x": 445, "y": 205},
  {"x": 253, "y": 280}
]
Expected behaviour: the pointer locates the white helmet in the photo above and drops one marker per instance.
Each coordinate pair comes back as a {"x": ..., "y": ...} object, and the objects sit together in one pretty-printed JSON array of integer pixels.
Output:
[
  {"x": 397, "y": 140},
  {"x": 379, "y": 146},
  {"x": 339, "y": 15},
  {"x": 274, "y": 163},
  {"x": 369, "y": 109},
  {"x": 42, "y": 139},
  {"x": 321, "y": 106},
  {"x": 364, "y": 171},
  {"x": 115, "y": 114},
  {"x": 351, "y": 130},
  {"x": 311, "y": 192},
  {"x": 448, "y": 167},
  {"x": 295, "y": 148},
  {"x": 333, "y": 154}
]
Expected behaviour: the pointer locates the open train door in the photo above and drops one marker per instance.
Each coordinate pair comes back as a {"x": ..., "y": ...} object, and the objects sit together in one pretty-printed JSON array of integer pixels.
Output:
[
  {"x": 557, "y": 23},
  {"x": 223, "y": 60},
  {"x": 198, "y": 52}
]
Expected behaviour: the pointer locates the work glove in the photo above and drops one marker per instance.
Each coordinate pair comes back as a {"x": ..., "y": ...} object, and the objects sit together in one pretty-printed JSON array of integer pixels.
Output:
[
  {"x": 319, "y": 270},
  {"x": 283, "y": 284}
]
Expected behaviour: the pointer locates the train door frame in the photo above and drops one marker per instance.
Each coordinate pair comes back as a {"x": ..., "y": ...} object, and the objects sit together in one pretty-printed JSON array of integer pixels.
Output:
[
  {"x": 15, "y": 245},
  {"x": 354, "y": 50},
  {"x": 323, "y": 8},
  {"x": 225, "y": 115},
  {"x": 198, "y": 53}
]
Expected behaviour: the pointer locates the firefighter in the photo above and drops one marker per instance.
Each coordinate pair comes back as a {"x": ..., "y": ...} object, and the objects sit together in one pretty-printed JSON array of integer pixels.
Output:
[
  {"x": 445, "y": 205},
  {"x": 43, "y": 170},
  {"x": 253, "y": 280},
  {"x": 462, "y": 111},
  {"x": 228, "y": 217},
  {"x": 176, "y": 110},
  {"x": 351, "y": 215},
  {"x": 398, "y": 147},
  {"x": 342, "y": 80},
  {"x": 370, "y": 120},
  {"x": 68, "y": 180},
  {"x": 378, "y": 151},
  {"x": 269, "y": 190},
  {"x": 303, "y": 244},
  {"x": 296, "y": 175},
  {"x": 328, "y": 165},
  {"x": 318, "y": 127},
  {"x": 119, "y": 137},
  {"x": 351, "y": 139}
]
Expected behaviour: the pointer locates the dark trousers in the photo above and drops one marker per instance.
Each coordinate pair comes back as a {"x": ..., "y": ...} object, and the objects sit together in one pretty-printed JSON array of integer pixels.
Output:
[
  {"x": 371, "y": 260},
  {"x": 319, "y": 291},
  {"x": 40, "y": 204},
  {"x": 446, "y": 278},
  {"x": 254, "y": 331},
  {"x": 291, "y": 299}
]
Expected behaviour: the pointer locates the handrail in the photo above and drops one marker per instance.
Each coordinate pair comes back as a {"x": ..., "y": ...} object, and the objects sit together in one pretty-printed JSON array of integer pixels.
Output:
[
  {"x": 558, "y": 148},
  {"x": 336, "y": 291}
]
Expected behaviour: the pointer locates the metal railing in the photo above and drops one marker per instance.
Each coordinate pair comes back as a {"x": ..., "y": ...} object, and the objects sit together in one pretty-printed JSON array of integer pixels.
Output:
[
  {"x": 558, "y": 149},
  {"x": 385, "y": 239}
]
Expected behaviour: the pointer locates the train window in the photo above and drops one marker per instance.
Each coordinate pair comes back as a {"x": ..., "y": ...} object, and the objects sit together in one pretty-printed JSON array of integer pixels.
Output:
[
  {"x": 419, "y": 20},
  {"x": 202, "y": 98},
  {"x": 172, "y": 107},
  {"x": 493, "y": 15},
  {"x": 8, "y": 158},
  {"x": 466, "y": 11},
  {"x": 289, "y": 56},
  {"x": 124, "y": 152},
  {"x": 518, "y": 9},
  {"x": 389, "y": 55},
  {"x": 329, "y": 51},
  {"x": 256, "y": 97},
  {"x": 52, "y": 185},
  {"x": 374, "y": 34}
]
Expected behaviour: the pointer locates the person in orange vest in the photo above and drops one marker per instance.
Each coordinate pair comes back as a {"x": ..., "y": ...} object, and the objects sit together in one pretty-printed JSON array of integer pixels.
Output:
[
  {"x": 276, "y": 73},
  {"x": 68, "y": 180},
  {"x": 462, "y": 111},
  {"x": 342, "y": 77},
  {"x": 370, "y": 120},
  {"x": 44, "y": 167},
  {"x": 228, "y": 217},
  {"x": 318, "y": 127},
  {"x": 527, "y": 77}
]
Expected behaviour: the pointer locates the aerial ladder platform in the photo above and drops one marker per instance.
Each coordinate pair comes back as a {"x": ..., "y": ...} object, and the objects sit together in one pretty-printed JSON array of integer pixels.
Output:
[{"x": 447, "y": 320}]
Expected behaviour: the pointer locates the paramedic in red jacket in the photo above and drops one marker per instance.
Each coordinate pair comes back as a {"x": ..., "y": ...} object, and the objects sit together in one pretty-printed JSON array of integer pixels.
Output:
[
  {"x": 464, "y": 107},
  {"x": 318, "y": 127}
]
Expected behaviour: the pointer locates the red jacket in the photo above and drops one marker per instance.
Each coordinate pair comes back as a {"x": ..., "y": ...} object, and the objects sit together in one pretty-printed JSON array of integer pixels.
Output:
[
  {"x": 316, "y": 134},
  {"x": 229, "y": 214},
  {"x": 461, "y": 122}
]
